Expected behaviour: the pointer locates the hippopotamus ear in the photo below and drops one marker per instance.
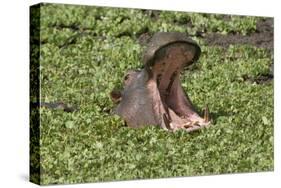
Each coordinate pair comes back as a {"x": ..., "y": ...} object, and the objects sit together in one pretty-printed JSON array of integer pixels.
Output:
[{"x": 116, "y": 95}]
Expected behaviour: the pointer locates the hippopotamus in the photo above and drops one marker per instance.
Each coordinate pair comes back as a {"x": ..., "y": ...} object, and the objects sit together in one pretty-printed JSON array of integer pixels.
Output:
[{"x": 154, "y": 95}]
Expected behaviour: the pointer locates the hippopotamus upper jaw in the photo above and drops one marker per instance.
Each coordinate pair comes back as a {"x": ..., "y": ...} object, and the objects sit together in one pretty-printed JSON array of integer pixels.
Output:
[{"x": 154, "y": 95}]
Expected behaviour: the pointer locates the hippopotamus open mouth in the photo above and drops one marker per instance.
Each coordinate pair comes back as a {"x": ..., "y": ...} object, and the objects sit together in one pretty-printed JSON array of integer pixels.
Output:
[{"x": 154, "y": 95}]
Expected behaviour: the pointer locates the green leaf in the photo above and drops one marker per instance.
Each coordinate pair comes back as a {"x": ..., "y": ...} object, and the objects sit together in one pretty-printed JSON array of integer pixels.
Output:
[
  {"x": 69, "y": 124},
  {"x": 265, "y": 120}
]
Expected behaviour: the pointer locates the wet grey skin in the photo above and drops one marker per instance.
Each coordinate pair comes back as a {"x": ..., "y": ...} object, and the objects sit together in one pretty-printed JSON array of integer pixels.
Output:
[{"x": 154, "y": 95}]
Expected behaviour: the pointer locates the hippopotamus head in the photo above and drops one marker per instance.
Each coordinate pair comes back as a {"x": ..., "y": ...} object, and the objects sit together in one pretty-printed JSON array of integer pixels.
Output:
[{"x": 154, "y": 95}]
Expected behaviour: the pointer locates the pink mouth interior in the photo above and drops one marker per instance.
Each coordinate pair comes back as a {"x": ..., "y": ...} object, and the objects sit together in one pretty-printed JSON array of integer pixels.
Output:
[{"x": 169, "y": 61}]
